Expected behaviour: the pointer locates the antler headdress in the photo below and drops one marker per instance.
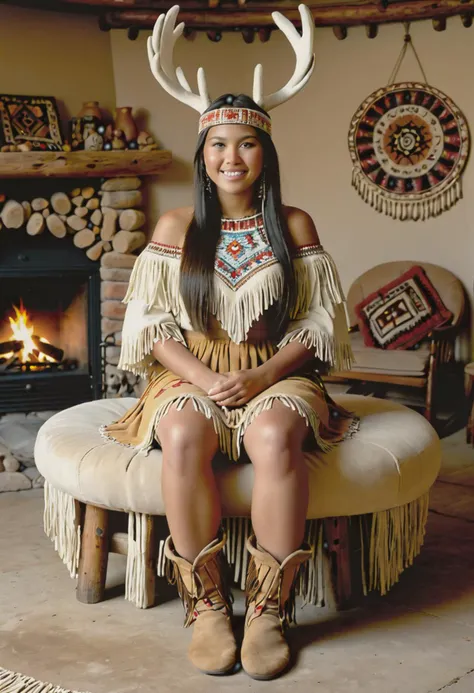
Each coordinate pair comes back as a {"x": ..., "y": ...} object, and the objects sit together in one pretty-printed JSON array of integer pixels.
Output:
[{"x": 160, "y": 54}]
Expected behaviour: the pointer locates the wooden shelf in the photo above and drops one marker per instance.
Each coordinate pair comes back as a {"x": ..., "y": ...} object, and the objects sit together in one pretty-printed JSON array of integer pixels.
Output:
[{"x": 82, "y": 164}]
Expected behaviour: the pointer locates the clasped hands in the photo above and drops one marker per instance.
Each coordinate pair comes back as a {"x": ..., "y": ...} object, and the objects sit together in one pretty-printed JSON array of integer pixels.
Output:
[{"x": 236, "y": 388}]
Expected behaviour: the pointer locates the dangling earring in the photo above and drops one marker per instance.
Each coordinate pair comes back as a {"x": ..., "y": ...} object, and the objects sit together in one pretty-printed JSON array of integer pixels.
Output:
[
  {"x": 207, "y": 185},
  {"x": 261, "y": 190}
]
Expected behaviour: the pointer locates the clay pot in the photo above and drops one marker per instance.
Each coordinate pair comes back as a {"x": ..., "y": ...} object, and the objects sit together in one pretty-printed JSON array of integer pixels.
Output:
[
  {"x": 124, "y": 121},
  {"x": 90, "y": 108}
]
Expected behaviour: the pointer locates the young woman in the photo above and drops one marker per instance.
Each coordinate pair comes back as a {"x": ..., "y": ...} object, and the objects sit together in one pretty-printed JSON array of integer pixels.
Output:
[{"x": 233, "y": 308}]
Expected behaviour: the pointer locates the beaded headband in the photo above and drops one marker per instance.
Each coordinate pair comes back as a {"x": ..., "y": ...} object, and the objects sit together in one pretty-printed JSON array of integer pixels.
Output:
[
  {"x": 160, "y": 55},
  {"x": 235, "y": 116}
]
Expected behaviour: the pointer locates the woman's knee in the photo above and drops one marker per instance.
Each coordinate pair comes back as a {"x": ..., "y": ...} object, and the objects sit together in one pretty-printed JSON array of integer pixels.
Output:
[
  {"x": 187, "y": 440},
  {"x": 274, "y": 442}
]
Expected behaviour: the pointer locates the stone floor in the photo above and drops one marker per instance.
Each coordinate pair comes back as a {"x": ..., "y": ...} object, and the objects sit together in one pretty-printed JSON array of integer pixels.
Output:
[{"x": 418, "y": 639}]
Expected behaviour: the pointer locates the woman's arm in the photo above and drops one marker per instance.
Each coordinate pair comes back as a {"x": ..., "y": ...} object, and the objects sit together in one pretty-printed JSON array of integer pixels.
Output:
[
  {"x": 178, "y": 359},
  {"x": 171, "y": 230}
]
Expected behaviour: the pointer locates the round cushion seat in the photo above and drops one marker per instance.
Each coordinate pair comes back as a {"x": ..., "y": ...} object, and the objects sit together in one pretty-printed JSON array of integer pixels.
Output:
[{"x": 392, "y": 460}]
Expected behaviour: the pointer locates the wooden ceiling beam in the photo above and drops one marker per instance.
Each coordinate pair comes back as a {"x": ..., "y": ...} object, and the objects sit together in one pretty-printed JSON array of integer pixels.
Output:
[
  {"x": 228, "y": 15},
  {"x": 256, "y": 16}
]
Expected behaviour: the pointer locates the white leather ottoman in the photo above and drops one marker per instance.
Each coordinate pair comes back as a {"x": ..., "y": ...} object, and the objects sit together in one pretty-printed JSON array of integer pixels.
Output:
[{"x": 370, "y": 495}]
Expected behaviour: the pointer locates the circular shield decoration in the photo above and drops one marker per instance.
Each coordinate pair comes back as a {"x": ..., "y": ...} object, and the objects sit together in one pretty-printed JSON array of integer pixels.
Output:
[{"x": 409, "y": 144}]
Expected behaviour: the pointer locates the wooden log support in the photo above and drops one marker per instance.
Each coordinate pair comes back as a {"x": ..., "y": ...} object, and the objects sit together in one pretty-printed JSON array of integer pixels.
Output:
[
  {"x": 466, "y": 20},
  {"x": 336, "y": 530},
  {"x": 340, "y": 32},
  {"x": 371, "y": 30},
  {"x": 94, "y": 556},
  {"x": 439, "y": 24}
]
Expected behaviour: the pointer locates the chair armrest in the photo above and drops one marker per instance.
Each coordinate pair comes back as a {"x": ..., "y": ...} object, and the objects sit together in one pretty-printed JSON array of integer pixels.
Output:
[{"x": 444, "y": 333}]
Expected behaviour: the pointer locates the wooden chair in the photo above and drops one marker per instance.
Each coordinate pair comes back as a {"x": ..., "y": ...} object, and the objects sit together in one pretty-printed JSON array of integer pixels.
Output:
[{"x": 428, "y": 367}]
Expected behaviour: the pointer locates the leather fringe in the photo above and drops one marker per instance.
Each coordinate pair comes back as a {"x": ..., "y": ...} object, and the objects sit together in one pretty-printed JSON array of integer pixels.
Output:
[
  {"x": 390, "y": 541},
  {"x": 61, "y": 520},
  {"x": 411, "y": 208}
]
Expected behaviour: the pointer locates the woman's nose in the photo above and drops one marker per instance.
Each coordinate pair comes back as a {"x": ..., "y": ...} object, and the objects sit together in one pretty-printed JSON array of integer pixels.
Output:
[{"x": 232, "y": 155}]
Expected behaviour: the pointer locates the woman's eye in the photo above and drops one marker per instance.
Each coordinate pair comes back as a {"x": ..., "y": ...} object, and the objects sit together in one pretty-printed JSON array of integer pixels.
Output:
[{"x": 248, "y": 145}]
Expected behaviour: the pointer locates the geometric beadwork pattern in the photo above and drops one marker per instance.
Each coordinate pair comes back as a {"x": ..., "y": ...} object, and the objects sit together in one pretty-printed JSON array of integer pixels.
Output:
[
  {"x": 243, "y": 249},
  {"x": 409, "y": 144},
  {"x": 30, "y": 118}
]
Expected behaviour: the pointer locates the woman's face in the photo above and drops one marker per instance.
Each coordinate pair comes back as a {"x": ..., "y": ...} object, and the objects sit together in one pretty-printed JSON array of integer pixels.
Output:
[{"x": 233, "y": 156}]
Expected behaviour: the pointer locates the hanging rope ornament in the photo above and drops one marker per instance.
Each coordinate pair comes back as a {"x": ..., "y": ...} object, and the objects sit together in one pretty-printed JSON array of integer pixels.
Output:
[{"x": 409, "y": 144}]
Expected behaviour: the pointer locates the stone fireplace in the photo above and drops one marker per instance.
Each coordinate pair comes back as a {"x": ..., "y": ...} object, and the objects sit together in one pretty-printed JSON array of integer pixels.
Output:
[{"x": 61, "y": 310}]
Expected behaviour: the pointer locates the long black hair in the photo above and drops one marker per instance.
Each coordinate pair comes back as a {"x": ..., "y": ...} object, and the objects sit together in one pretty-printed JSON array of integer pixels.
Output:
[{"x": 200, "y": 245}]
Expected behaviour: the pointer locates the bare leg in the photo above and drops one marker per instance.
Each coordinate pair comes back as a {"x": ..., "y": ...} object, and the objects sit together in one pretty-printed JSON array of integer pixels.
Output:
[
  {"x": 192, "y": 503},
  {"x": 280, "y": 493}
]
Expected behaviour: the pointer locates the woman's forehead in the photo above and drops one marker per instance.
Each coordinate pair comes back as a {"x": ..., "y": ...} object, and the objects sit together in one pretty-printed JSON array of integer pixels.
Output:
[{"x": 231, "y": 132}]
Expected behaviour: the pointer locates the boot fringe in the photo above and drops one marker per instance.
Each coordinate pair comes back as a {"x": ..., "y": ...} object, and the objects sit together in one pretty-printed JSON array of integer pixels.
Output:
[
  {"x": 390, "y": 541},
  {"x": 12, "y": 682}
]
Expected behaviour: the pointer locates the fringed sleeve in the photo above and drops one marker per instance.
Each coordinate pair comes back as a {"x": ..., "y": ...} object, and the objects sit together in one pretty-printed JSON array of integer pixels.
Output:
[
  {"x": 152, "y": 303},
  {"x": 319, "y": 317}
]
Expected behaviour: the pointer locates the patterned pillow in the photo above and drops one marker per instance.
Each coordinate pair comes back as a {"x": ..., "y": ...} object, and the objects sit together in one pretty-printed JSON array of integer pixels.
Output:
[{"x": 402, "y": 312}]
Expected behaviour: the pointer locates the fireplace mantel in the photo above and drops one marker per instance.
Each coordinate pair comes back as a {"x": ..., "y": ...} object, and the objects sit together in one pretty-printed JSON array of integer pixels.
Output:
[{"x": 104, "y": 164}]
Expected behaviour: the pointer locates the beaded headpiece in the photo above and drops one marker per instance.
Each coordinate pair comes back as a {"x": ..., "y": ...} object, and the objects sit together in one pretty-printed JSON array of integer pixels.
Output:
[{"x": 160, "y": 55}]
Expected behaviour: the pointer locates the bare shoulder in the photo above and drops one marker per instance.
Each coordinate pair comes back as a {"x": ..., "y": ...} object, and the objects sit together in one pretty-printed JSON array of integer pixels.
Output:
[
  {"x": 301, "y": 227},
  {"x": 172, "y": 226}
]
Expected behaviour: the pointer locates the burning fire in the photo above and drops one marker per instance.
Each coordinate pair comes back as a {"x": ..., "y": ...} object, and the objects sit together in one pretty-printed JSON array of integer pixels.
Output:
[{"x": 23, "y": 331}]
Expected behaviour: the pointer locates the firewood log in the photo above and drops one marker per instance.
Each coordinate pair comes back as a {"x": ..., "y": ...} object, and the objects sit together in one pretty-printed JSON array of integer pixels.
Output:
[
  {"x": 76, "y": 223},
  {"x": 47, "y": 349},
  {"x": 113, "y": 184},
  {"x": 81, "y": 212},
  {"x": 93, "y": 203},
  {"x": 122, "y": 199},
  {"x": 13, "y": 345},
  {"x": 109, "y": 224},
  {"x": 77, "y": 200},
  {"x": 131, "y": 219},
  {"x": 61, "y": 203},
  {"x": 75, "y": 192},
  {"x": 13, "y": 214},
  {"x": 96, "y": 217},
  {"x": 39, "y": 203},
  {"x": 128, "y": 241},
  {"x": 84, "y": 238},
  {"x": 27, "y": 207},
  {"x": 46, "y": 212},
  {"x": 95, "y": 251},
  {"x": 88, "y": 192},
  {"x": 35, "y": 224},
  {"x": 56, "y": 226},
  {"x": 107, "y": 246}
]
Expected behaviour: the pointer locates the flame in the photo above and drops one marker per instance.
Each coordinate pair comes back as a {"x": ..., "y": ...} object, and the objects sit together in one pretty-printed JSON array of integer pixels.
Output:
[{"x": 22, "y": 331}]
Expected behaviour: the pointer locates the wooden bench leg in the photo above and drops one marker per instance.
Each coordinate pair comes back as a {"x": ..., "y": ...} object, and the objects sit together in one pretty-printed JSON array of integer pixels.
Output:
[
  {"x": 336, "y": 530},
  {"x": 94, "y": 556}
]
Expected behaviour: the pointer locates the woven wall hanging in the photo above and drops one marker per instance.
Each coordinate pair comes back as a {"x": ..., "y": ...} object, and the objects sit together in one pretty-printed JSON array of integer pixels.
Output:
[{"x": 409, "y": 144}]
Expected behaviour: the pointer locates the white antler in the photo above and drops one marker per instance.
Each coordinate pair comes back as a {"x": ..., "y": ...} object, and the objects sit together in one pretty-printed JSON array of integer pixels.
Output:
[
  {"x": 160, "y": 54},
  {"x": 303, "y": 47}
]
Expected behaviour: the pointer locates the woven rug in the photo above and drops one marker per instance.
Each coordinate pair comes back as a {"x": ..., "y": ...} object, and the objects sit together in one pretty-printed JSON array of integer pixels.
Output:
[{"x": 12, "y": 682}]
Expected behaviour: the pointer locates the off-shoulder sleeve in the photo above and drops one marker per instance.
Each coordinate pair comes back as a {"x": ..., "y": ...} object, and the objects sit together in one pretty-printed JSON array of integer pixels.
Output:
[
  {"x": 319, "y": 318},
  {"x": 152, "y": 302}
]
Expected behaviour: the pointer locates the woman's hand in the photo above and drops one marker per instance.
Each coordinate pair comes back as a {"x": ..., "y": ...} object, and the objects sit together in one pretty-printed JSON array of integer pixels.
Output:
[{"x": 237, "y": 387}]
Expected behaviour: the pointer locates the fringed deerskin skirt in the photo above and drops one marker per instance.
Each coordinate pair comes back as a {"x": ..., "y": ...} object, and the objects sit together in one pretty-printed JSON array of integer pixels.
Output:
[{"x": 303, "y": 392}]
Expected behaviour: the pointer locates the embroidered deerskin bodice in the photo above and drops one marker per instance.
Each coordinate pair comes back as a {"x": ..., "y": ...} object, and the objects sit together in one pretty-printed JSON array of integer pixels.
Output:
[{"x": 248, "y": 280}]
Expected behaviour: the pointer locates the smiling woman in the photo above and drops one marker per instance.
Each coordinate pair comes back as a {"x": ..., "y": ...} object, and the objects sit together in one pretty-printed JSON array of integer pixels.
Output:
[{"x": 233, "y": 309}]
